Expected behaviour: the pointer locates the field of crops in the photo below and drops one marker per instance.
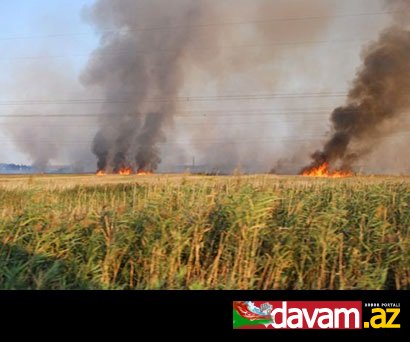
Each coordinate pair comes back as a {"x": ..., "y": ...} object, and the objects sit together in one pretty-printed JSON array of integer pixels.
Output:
[{"x": 198, "y": 232}]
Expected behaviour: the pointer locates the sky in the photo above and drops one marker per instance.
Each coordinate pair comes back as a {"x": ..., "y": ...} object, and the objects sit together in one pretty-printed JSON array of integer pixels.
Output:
[
  {"x": 26, "y": 35},
  {"x": 46, "y": 43},
  {"x": 35, "y": 19}
]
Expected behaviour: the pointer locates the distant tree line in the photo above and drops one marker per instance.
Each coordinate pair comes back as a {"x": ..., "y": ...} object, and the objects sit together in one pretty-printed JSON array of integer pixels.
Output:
[{"x": 15, "y": 168}]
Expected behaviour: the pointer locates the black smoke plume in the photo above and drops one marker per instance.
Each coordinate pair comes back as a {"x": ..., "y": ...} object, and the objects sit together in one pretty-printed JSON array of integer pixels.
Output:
[
  {"x": 380, "y": 93},
  {"x": 139, "y": 68}
]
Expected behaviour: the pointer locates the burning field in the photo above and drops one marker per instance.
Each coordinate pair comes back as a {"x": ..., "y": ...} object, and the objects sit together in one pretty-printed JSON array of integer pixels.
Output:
[
  {"x": 163, "y": 86},
  {"x": 324, "y": 171},
  {"x": 129, "y": 139},
  {"x": 126, "y": 171},
  {"x": 196, "y": 91}
]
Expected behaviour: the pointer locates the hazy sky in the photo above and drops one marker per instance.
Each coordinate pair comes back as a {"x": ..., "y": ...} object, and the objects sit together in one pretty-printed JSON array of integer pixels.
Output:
[
  {"x": 50, "y": 38},
  {"x": 26, "y": 35},
  {"x": 34, "y": 19}
]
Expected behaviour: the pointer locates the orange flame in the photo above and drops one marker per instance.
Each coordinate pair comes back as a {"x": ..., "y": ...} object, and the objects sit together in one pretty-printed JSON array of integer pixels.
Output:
[
  {"x": 143, "y": 172},
  {"x": 323, "y": 171},
  {"x": 125, "y": 171}
]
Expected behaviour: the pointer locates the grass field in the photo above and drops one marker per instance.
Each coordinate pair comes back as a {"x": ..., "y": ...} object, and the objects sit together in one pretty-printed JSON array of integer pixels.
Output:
[{"x": 194, "y": 232}]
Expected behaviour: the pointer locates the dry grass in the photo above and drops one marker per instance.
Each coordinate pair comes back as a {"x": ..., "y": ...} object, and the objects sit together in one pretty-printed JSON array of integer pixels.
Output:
[{"x": 178, "y": 232}]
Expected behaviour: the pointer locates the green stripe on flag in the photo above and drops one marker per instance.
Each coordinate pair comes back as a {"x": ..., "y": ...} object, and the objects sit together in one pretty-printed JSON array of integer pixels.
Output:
[{"x": 239, "y": 321}]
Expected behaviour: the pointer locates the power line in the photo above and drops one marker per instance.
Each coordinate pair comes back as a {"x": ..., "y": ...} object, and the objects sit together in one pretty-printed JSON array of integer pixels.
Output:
[
  {"x": 248, "y": 114},
  {"x": 216, "y": 48},
  {"x": 177, "y": 98},
  {"x": 233, "y": 124},
  {"x": 186, "y": 142},
  {"x": 178, "y": 124},
  {"x": 191, "y": 113},
  {"x": 202, "y": 114},
  {"x": 184, "y": 124},
  {"x": 199, "y": 114},
  {"x": 287, "y": 139},
  {"x": 200, "y": 26}
]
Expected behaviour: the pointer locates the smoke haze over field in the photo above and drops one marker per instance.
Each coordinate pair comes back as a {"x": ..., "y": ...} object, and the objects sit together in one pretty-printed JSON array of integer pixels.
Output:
[
  {"x": 146, "y": 82},
  {"x": 44, "y": 132},
  {"x": 220, "y": 85},
  {"x": 380, "y": 93}
]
